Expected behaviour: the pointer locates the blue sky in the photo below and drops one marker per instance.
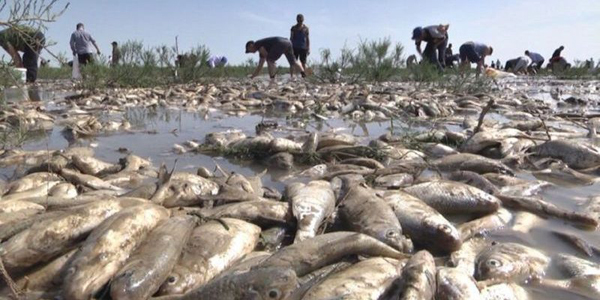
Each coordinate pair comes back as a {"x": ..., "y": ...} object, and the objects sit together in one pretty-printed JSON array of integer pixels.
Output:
[{"x": 510, "y": 26}]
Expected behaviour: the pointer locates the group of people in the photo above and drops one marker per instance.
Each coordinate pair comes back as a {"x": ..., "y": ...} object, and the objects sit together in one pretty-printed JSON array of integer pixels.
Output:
[{"x": 296, "y": 49}]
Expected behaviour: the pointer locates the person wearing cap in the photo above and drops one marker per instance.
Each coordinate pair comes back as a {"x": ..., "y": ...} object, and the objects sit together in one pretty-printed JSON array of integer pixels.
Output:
[
  {"x": 24, "y": 39},
  {"x": 116, "y": 54},
  {"x": 436, "y": 37},
  {"x": 80, "y": 43},
  {"x": 300, "y": 40},
  {"x": 536, "y": 59},
  {"x": 270, "y": 50},
  {"x": 216, "y": 61},
  {"x": 471, "y": 52}
]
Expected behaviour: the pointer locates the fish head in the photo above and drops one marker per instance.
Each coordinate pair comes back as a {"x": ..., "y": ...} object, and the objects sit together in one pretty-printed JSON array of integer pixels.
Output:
[
  {"x": 394, "y": 238},
  {"x": 175, "y": 283},
  {"x": 450, "y": 237},
  {"x": 492, "y": 264},
  {"x": 270, "y": 284}
]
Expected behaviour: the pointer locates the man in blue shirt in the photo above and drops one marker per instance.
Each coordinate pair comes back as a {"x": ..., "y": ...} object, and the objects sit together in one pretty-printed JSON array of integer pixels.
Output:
[
  {"x": 81, "y": 42},
  {"x": 300, "y": 40}
]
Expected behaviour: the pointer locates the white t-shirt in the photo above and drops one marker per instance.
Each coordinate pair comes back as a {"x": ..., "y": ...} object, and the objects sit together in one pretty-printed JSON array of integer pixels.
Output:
[
  {"x": 522, "y": 63},
  {"x": 214, "y": 61}
]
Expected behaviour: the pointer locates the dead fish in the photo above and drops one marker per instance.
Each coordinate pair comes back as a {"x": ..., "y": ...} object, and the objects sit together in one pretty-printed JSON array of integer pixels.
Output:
[
  {"x": 418, "y": 277},
  {"x": 47, "y": 277},
  {"x": 285, "y": 145},
  {"x": 504, "y": 291},
  {"x": 40, "y": 191},
  {"x": 93, "y": 166},
  {"x": 465, "y": 257},
  {"x": 491, "y": 222},
  {"x": 560, "y": 173},
  {"x": 524, "y": 221},
  {"x": 148, "y": 267},
  {"x": 246, "y": 264},
  {"x": 364, "y": 162},
  {"x": 31, "y": 181},
  {"x": 394, "y": 181},
  {"x": 471, "y": 162},
  {"x": 259, "y": 212},
  {"x": 12, "y": 206},
  {"x": 578, "y": 242},
  {"x": 438, "y": 150},
  {"x": 474, "y": 179},
  {"x": 329, "y": 140},
  {"x": 367, "y": 213},
  {"x": 453, "y": 284},
  {"x": 281, "y": 160},
  {"x": 134, "y": 163},
  {"x": 63, "y": 190},
  {"x": 449, "y": 197},
  {"x": 423, "y": 224},
  {"x": 485, "y": 139},
  {"x": 575, "y": 155},
  {"x": 311, "y": 203},
  {"x": 583, "y": 277},
  {"x": 312, "y": 254},
  {"x": 51, "y": 237},
  {"x": 368, "y": 279},
  {"x": 108, "y": 247},
  {"x": 272, "y": 239},
  {"x": 261, "y": 283},
  {"x": 223, "y": 139},
  {"x": 186, "y": 190},
  {"x": 89, "y": 181},
  {"x": 511, "y": 262},
  {"x": 210, "y": 250},
  {"x": 16, "y": 225}
]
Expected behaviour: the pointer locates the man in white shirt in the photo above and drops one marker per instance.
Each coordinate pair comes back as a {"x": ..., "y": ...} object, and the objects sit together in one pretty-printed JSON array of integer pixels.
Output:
[
  {"x": 521, "y": 65},
  {"x": 536, "y": 59},
  {"x": 216, "y": 61}
]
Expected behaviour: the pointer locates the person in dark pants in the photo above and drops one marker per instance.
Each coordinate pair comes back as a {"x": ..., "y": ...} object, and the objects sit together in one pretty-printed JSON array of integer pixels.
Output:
[
  {"x": 536, "y": 59},
  {"x": 270, "y": 50},
  {"x": 436, "y": 37},
  {"x": 27, "y": 40},
  {"x": 300, "y": 40},
  {"x": 510, "y": 64},
  {"x": 471, "y": 52},
  {"x": 81, "y": 42},
  {"x": 451, "y": 57}
]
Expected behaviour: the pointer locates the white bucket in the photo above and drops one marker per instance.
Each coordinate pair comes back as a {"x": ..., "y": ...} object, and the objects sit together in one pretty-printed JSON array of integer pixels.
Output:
[{"x": 21, "y": 74}]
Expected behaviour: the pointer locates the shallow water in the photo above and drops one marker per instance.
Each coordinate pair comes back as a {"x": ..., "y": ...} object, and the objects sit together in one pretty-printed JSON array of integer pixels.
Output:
[{"x": 154, "y": 132}]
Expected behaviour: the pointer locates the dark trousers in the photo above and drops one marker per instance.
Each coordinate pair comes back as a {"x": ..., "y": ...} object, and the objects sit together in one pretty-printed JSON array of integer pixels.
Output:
[
  {"x": 436, "y": 54},
  {"x": 85, "y": 59},
  {"x": 31, "y": 54}
]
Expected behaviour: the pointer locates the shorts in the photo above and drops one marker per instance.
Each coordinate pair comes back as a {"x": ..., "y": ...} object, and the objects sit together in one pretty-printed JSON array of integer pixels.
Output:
[
  {"x": 86, "y": 58},
  {"x": 301, "y": 54},
  {"x": 285, "y": 47},
  {"x": 467, "y": 51}
]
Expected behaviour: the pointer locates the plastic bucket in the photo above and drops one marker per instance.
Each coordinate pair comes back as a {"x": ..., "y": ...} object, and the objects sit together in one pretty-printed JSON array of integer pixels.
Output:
[{"x": 21, "y": 74}]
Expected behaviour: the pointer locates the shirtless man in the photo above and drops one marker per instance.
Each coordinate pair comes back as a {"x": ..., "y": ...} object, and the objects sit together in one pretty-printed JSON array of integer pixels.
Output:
[{"x": 270, "y": 50}]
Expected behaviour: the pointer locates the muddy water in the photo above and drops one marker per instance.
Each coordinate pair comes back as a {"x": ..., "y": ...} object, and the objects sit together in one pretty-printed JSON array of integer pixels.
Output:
[{"x": 154, "y": 132}]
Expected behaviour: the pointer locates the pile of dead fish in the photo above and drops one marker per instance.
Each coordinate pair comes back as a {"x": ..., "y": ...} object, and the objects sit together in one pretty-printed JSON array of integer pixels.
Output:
[{"x": 76, "y": 227}]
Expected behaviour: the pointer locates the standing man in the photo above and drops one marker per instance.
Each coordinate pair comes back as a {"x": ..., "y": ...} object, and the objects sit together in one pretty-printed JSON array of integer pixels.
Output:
[
  {"x": 24, "y": 39},
  {"x": 300, "y": 40},
  {"x": 471, "y": 52},
  {"x": 81, "y": 42},
  {"x": 436, "y": 37},
  {"x": 270, "y": 50},
  {"x": 536, "y": 59},
  {"x": 116, "y": 54}
]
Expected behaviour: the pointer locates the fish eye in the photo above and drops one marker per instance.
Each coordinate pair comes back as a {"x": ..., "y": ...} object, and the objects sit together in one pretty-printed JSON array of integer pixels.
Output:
[
  {"x": 273, "y": 294},
  {"x": 445, "y": 228},
  {"x": 494, "y": 263},
  {"x": 171, "y": 279},
  {"x": 390, "y": 233}
]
